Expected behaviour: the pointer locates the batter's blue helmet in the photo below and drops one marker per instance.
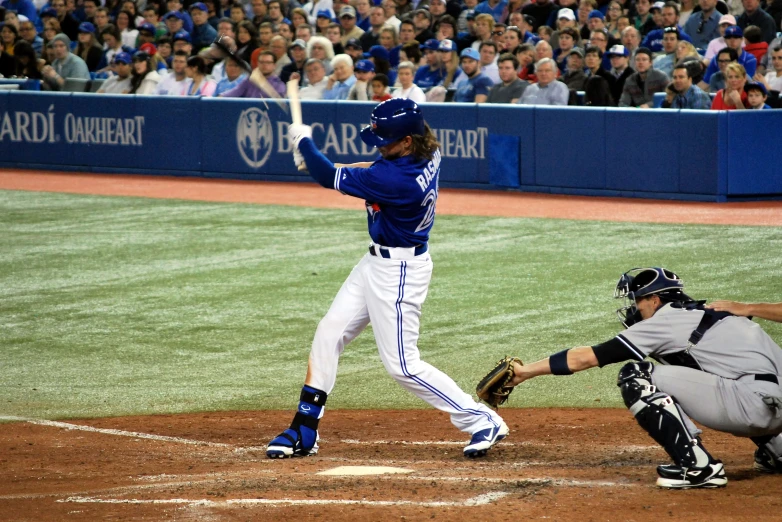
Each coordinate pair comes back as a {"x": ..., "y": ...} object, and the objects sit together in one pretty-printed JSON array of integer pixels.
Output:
[
  {"x": 643, "y": 282},
  {"x": 392, "y": 120}
]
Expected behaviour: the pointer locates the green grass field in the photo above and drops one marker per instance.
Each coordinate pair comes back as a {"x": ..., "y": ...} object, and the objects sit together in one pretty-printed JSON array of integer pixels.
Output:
[{"x": 117, "y": 306}]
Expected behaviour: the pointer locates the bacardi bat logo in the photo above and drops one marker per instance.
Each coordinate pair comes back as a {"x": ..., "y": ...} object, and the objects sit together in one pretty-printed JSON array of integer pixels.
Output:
[{"x": 254, "y": 137}]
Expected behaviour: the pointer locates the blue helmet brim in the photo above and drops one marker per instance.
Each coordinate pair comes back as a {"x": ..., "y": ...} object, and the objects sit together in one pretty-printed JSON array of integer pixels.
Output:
[{"x": 372, "y": 139}]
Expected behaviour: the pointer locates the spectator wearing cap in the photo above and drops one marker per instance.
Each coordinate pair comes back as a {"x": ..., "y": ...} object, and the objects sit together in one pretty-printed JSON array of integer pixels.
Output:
[
  {"x": 28, "y": 33},
  {"x": 757, "y": 94},
  {"x": 574, "y": 76},
  {"x": 320, "y": 48},
  {"x": 567, "y": 42},
  {"x": 371, "y": 36},
  {"x": 719, "y": 43},
  {"x": 734, "y": 37},
  {"x": 347, "y": 18},
  {"x": 449, "y": 58},
  {"x": 566, "y": 18},
  {"x": 432, "y": 73},
  {"x": 422, "y": 20},
  {"x": 527, "y": 24},
  {"x": 489, "y": 53},
  {"x": 144, "y": 77},
  {"x": 682, "y": 94},
  {"x": 271, "y": 85},
  {"x": 341, "y": 80},
  {"x": 157, "y": 62},
  {"x": 88, "y": 48},
  {"x": 354, "y": 49},
  {"x": 316, "y": 80},
  {"x": 25, "y": 8},
  {"x": 664, "y": 62},
  {"x": 547, "y": 90},
  {"x": 176, "y": 82},
  {"x": 298, "y": 53},
  {"x": 362, "y": 89},
  {"x": 119, "y": 82},
  {"x": 408, "y": 90},
  {"x": 380, "y": 57},
  {"x": 620, "y": 69},
  {"x": 704, "y": 26},
  {"x": 362, "y": 14},
  {"x": 495, "y": 8},
  {"x": 755, "y": 15},
  {"x": 476, "y": 86},
  {"x": 68, "y": 24},
  {"x": 175, "y": 6},
  {"x": 175, "y": 22},
  {"x": 203, "y": 34},
  {"x": 323, "y": 20},
  {"x": 147, "y": 33},
  {"x": 670, "y": 18},
  {"x": 181, "y": 42},
  {"x": 540, "y": 10},
  {"x": 234, "y": 75},
  {"x": 640, "y": 87},
  {"x": 510, "y": 88}
]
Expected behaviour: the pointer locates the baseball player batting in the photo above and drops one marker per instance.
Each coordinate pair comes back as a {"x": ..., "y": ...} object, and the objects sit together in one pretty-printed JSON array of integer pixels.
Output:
[
  {"x": 717, "y": 368},
  {"x": 389, "y": 285}
]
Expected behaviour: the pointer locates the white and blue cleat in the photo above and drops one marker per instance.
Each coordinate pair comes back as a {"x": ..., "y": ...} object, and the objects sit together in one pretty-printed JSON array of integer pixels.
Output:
[
  {"x": 483, "y": 440},
  {"x": 288, "y": 444}
]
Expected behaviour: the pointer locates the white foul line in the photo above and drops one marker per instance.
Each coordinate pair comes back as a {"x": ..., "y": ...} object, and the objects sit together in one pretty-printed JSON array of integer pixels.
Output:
[
  {"x": 480, "y": 500},
  {"x": 107, "y": 431}
]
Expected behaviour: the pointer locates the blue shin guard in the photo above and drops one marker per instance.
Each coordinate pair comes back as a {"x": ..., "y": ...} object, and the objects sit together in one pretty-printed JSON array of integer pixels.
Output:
[{"x": 301, "y": 439}]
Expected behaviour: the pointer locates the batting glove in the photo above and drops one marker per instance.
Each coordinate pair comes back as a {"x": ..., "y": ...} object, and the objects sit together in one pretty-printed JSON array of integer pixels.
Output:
[
  {"x": 296, "y": 133},
  {"x": 298, "y": 159}
]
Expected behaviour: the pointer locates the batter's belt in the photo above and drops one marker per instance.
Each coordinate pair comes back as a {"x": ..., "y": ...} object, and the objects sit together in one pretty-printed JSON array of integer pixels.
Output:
[{"x": 398, "y": 252}]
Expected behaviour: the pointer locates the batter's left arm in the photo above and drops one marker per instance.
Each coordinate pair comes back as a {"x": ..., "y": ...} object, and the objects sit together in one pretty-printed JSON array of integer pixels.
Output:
[
  {"x": 359, "y": 165},
  {"x": 320, "y": 167}
]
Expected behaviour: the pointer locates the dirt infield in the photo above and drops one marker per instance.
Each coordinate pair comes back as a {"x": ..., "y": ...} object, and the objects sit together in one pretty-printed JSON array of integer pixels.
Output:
[{"x": 557, "y": 464}]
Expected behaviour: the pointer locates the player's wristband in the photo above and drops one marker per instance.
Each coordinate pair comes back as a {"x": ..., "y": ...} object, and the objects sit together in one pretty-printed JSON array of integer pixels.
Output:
[{"x": 558, "y": 363}]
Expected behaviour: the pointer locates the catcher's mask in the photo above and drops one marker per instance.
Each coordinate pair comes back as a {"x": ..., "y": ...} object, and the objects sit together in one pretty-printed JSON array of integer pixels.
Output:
[{"x": 642, "y": 282}]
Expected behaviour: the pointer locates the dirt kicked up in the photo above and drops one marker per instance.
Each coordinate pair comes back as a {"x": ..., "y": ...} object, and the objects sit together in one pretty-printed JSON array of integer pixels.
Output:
[{"x": 557, "y": 464}]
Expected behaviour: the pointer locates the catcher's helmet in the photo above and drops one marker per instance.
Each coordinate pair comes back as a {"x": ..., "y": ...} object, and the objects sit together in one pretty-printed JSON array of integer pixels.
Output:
[
  {"x": 392, "y": 120},
  {"x": 642, "y": 282}
]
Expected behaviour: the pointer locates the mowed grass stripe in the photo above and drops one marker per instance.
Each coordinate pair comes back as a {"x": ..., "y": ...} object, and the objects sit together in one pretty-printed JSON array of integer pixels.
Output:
[{"x": 115, "y": 306}]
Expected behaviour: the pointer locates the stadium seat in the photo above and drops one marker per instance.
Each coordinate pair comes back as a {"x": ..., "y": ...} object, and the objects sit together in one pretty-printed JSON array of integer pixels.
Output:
[
  {"x": 96, "y": 84},
  {"x": 75, "y": 85}
]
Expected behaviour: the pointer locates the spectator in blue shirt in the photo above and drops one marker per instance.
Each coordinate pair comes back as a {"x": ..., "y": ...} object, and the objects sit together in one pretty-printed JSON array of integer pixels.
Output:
[
  {"x": 175, "y": 6},
  {"x": 686, "y": 95},
  {"x": 475, "y": 89},
  {"x": 432, "y": 73},
  {"x": 734, "y": 37},
  {"x": 203, "y": 34},
  {"x": 234, "y": 75},
  {"x": 704, "y": 26},
  {"x": 756, "y": 95},
  {"x": 23, "y": 7},
  {"x": 341, "y": 80},
  {"x": 28, "y": 33},
  {"x": 493, "y": 7},
  {"x": 670, "y": 18}
]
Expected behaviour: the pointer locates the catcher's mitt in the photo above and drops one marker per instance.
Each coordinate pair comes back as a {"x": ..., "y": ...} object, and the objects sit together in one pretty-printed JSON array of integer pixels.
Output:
[{"x": 495, "y": 388}]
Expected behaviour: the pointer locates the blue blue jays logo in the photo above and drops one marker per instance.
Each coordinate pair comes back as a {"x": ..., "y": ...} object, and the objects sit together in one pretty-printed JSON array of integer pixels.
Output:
[{"x": 254, "y": 137}]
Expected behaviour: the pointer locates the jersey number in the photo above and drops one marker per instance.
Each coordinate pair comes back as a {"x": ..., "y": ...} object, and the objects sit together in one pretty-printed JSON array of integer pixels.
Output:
[{"x": 428, "y": 202}]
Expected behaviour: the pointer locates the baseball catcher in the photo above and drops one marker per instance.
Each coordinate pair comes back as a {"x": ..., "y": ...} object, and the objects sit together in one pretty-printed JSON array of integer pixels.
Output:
[{"x": 717, "y": 368}]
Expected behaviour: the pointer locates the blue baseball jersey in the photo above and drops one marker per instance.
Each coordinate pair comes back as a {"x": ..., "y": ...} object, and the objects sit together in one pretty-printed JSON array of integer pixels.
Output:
[{"x": 400, "y": 197}]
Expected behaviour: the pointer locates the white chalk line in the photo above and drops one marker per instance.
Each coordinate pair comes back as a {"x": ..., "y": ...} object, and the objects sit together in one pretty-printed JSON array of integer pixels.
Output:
[
  {"x": 480, "y": 500},
  {"x": 122, "y": 433}
]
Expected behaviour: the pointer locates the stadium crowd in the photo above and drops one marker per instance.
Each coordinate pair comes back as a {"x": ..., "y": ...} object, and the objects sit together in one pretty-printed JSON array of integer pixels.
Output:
[{"x": 703, "y": 54}]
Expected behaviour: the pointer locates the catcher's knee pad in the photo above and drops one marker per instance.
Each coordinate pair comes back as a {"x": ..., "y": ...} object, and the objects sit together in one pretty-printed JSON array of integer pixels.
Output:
[{"x": 635, "y": 381}]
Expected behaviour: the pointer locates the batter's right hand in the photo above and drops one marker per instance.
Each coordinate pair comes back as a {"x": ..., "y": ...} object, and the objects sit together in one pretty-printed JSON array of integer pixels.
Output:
[{"x": 296, "y": 133}]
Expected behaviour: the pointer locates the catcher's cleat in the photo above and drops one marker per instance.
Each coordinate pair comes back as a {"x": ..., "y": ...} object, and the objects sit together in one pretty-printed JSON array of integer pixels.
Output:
[
  {"x": 766, "y": 463},
  {"x": 483, "y": 440},
  {"x": 288, "y": 444},
  {"x": 677, "y": 477}
]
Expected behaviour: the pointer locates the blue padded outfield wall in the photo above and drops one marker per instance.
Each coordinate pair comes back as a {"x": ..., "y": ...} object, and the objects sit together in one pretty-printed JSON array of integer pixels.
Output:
[{"x": 693, "y": 155}]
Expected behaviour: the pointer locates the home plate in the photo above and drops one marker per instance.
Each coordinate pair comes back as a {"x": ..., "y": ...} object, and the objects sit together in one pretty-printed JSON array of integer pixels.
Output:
[{"x": 344, "y": 471}]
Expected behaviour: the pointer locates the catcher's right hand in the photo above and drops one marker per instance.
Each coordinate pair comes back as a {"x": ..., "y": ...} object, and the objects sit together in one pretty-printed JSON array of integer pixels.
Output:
[{"x": 495, "y": 388}]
